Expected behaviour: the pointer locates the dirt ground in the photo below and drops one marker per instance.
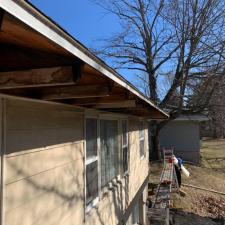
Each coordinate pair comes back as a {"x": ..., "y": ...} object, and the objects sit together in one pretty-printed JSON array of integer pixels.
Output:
[{"x": 200, "y": 207}]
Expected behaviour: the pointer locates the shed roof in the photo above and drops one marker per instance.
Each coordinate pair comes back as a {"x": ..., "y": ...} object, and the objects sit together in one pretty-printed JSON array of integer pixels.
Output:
[
  {"x": 41, "y": 60},
  {"x": 192, "y": 118}
]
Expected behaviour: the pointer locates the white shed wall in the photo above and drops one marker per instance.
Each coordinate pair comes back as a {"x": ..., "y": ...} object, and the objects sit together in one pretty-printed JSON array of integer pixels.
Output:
[{"x": 184, "y": 137}]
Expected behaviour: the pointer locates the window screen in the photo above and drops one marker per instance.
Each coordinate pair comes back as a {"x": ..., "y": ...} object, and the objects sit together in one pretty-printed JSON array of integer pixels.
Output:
[
  {"x": 109, "y": 150},
  {"x": 91, "y": 160},
  {"x": 91, "y": 137},
  {"x": 91, "y": 181}
]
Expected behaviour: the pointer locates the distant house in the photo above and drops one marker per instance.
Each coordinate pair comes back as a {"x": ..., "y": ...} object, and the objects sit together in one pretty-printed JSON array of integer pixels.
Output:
[
  {"x": 183, "y": 135},
  {"x": 73, "y": 133}
]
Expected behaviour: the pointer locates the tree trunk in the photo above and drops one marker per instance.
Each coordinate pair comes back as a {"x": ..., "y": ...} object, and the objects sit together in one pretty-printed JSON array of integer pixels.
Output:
[
  {"x": 154, "y": 141},
  {"x": 155, "y": 151}
]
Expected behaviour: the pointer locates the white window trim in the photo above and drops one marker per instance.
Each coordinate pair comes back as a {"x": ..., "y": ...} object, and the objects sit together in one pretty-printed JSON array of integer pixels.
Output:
[{"x": 91, "y": 160}]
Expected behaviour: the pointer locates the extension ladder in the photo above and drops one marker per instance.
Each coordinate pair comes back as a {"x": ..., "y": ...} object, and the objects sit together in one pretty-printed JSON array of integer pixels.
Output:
[{"x": 159, "y": 213}]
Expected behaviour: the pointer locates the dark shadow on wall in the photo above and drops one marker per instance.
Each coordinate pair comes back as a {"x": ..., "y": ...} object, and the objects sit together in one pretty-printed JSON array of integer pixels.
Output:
[
  {"x": 65, "y": 192},
  {"x": 118, "y": 195},
  {"x": 114, "y": 200}
]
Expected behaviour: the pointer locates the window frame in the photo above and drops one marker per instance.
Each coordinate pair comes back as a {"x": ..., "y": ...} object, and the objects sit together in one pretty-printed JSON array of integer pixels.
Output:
[{"x": 108, "y": 186}]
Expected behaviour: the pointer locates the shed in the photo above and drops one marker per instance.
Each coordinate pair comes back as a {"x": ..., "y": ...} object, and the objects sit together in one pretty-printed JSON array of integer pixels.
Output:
[{"x": 182, "y": 134}]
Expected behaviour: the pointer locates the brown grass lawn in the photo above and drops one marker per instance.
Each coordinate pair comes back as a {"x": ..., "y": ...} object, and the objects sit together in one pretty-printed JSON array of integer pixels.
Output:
[{"x": 210, "y": 174}]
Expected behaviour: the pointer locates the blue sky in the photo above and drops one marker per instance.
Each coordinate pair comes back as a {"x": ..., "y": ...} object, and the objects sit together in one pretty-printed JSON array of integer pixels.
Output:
[{"x": 84, "y": 20}]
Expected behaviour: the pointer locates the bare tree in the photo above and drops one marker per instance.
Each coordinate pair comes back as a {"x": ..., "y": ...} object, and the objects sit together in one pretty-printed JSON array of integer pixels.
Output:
[
  {"x": 217, "y": 111},
  {"x": 177, "y": 39},
  {"x": 215, "y": 126}
]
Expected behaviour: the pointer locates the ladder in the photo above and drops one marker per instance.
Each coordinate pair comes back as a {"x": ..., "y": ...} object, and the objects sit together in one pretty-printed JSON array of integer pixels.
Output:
[{"x": 159, "y": 212}]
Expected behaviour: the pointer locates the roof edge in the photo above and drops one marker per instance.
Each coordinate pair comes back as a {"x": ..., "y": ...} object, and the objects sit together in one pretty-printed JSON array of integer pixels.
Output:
[{"x": 34, "y": 18}]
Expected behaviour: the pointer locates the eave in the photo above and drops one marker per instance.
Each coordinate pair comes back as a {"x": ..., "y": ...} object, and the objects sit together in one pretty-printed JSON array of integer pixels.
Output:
[{"x": 40, "y": 60}]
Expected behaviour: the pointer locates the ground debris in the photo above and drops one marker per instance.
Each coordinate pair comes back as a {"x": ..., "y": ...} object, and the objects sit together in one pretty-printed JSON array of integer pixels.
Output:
[
  {"x": 200, "y": 207},
  {"x": 185, "y": 218},
  {"x": 210, "y": 206}
]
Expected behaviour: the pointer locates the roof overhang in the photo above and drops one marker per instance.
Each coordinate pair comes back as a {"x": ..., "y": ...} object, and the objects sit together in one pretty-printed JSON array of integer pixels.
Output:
[{"x": 41, "y": 61}]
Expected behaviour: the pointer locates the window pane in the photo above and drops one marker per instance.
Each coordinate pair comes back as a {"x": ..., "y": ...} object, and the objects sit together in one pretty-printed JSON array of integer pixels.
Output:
[
  {"x": 91, "y": 181},
  {"x": 141, "y": 130},
  {"x": 125, "y": 159},
  {"x": 91, "y": 137},
  {"x": 141, "y": 138},
  {"x": 142, "y": 147},
  {"x": 135, "y": 214},
  {"x": 109, "y": 150},
  {"x": 124, "y": 146},
  {"x": 124, "y": 133}
]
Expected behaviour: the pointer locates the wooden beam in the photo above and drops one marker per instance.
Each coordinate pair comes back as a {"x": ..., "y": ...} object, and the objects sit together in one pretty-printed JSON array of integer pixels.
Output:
[
  {"x": 91, "y": 101},
  {"x": 14, "y": 58},
  {"x": 38, "y": 77},
  {"x": 78, "y": 69},
  {"x": 118, "y": 104},
  {"x": 44, "y": 27},
  {"x": 2, "y": 12},
  {"x": 86, "y": 91}
]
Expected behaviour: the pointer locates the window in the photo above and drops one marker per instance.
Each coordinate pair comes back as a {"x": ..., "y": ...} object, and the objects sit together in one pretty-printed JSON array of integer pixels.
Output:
[
  {"x": 91, "y": 182},
  {"x": 109, "y": 150},
  {"x": 125, "y": 145},
  {"x": 141, "y": 139},
  {"x": 91, "y": 160},
  {"x": 104, "y": 157}
]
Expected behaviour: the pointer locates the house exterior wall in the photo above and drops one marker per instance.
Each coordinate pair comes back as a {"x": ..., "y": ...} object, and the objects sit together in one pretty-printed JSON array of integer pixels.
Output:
[
  {"x": 184, "y": 137},
  {"x": 44, "y": 164},
  {"x": 138, "y": 165},
  {"x": 114, "y": 204},
  {"x": 44, "y": 169}
]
